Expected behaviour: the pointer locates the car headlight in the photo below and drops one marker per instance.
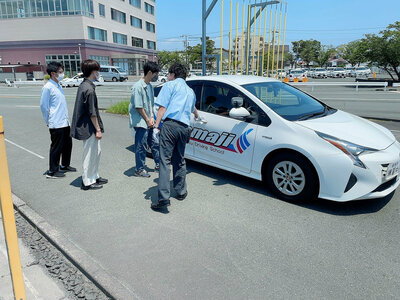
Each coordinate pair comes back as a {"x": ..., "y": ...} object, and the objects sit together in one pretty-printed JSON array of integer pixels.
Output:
[{"x": 353, "y": 151}]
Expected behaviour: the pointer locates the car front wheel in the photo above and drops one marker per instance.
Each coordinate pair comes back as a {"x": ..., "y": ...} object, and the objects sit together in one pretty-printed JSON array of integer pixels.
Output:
[{"x": 291, "y": 177}]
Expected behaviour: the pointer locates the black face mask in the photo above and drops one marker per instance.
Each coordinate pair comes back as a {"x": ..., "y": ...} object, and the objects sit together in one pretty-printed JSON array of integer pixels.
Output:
[{"x": 155, "y": 78}]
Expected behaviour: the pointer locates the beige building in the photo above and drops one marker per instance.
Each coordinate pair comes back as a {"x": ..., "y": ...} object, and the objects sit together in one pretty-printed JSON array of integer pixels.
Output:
[{"x": 121, "y": 33}]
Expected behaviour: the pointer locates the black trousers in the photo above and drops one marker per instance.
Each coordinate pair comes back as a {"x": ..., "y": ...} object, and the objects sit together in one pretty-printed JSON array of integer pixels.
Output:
[
  {"x": 61, "y": 147},
  {"x": 173, "y": 139}
]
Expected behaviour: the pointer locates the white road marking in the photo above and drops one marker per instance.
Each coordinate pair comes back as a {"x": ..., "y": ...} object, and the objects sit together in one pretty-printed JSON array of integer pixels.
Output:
[
  {"x": 395, "y": 130},
  {"x": 28, "y": 106},
  {"x": 29, "y": 151}
]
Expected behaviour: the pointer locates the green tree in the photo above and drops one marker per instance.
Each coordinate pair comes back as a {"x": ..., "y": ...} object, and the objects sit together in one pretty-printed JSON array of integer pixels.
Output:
[
  {"x": 195, "y": 53},
  {"x": 325, "y": 53},
  {"x": 307, "y": 50},
  {"x": 354, "y": 52},
  {"x": 384, "y": 49},
  {"x": 167, "y": 58}
]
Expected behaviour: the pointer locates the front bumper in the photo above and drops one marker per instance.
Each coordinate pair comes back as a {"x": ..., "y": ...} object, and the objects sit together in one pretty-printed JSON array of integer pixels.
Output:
[{"x": 370, "y": 182}]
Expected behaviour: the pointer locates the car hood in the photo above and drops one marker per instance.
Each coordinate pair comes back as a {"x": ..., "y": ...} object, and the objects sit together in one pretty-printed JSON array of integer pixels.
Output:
[{"x": 353, "y": 129}]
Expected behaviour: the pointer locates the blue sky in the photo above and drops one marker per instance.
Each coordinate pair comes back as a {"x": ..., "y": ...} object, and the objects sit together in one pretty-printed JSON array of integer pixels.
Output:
[{"x": 331, "y": 22}]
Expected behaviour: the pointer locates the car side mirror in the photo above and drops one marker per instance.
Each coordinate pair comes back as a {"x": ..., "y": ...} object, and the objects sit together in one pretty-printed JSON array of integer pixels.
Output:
[
  {"x": 237, "y": 102},
  {"x": 239, "y": 113}
]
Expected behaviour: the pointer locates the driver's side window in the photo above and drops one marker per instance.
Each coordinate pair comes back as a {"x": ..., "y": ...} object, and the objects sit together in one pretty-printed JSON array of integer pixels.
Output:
[{"x": 217, "y": 99}]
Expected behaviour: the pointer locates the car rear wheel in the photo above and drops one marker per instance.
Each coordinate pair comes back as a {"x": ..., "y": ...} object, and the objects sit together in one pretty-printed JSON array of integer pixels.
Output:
[
  {"x": 114, "y": 79},
  {"x": 291, "y": 177}
]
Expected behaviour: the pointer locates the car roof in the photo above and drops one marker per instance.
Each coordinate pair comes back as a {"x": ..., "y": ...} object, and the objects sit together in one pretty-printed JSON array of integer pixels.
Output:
[{"x": 237, "y": 79}]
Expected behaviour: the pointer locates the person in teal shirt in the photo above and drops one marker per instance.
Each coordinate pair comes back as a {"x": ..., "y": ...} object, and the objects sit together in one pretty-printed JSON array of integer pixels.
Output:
[{"x": 141, "y": 119}]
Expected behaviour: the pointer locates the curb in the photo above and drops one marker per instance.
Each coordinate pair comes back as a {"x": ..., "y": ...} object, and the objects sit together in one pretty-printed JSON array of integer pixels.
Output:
[{"x": 108, "y": 284}]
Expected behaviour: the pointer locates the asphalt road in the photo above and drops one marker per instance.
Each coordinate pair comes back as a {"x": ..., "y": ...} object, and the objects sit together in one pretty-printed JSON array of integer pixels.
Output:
[{"x": 230, "y": 239}]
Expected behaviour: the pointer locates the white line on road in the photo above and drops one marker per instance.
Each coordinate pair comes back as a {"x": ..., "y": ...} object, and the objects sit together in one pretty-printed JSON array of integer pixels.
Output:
[
  {"x": 29, "y": 151},
  {"x": 395, "y": 130},
  {"x": 28, "y": 106}
]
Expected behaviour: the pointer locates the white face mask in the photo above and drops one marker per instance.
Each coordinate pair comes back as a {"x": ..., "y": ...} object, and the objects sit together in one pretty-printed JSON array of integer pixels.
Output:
[
  {"x": 60, "y": 77},
  {"x": 97, "y": 76}
]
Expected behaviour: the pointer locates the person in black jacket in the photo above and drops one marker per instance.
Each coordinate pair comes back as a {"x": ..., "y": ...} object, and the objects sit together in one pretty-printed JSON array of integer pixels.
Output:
[{"x": 88, "y": 126}]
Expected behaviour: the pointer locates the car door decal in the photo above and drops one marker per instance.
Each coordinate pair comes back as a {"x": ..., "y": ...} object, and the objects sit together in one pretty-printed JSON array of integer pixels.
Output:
[{"x": 224, "y": 141}]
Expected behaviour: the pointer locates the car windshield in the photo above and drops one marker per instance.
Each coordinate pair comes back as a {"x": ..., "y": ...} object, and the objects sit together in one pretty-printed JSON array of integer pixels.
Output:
[
  {"x": 120, "y": 69},
  {"x": 288, "y": 102},
  {"x": 339, "y": 69},
  {"x": 320, "y": 70}
]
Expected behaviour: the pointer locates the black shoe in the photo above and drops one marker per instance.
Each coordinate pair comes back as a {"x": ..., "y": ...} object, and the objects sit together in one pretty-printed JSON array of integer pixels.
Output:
[
  {"x": 165, "y": 202},
  {"x": 54, "y": 175},
  {"x": 161, "y": 204},
  {"x": 142, "y": 173},
  {"x": 182, "y": 197},
  {"x": 94, "y": 186},
  {"x": 101, "y": 180},
  {"x": 68, "y": 169}
]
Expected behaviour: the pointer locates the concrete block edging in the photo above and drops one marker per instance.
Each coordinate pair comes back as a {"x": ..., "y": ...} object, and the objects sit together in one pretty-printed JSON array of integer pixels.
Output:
[{"x": 107, "y": 283}]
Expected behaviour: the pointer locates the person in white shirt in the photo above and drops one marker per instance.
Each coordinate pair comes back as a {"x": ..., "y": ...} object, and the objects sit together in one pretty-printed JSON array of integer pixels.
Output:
[{"x": 55, "y": 114}]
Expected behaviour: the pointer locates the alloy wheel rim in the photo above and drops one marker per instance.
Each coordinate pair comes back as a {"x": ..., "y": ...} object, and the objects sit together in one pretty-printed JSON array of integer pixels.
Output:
[{"x": 288, "y": 178}]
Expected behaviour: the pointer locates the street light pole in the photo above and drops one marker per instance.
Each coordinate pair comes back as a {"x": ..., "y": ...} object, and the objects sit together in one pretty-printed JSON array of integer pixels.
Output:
[{"x": 80, "y": 55}]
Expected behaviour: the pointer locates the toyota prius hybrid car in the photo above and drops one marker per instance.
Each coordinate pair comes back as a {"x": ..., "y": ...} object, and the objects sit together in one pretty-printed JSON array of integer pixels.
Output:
[{"x": 300, "y": 147}]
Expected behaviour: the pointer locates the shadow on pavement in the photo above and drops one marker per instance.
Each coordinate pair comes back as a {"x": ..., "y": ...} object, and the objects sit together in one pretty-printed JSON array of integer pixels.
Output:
[
  {"x": 350, "y": 208},
  {"x": 152, "y": 195},
  {"x": 77, "y": 182}
]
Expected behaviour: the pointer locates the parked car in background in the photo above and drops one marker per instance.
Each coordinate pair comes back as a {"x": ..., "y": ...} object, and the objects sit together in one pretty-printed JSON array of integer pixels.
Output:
[
  {"x": 320, "y": 73},
  {"x": 362, "y": 71},
  {"x": 77, "y": 80},
  {"x": 338, "y": 72},
  {"x": 298, "y": 73},
  {"x": 310, "y": 72},
  {"x": 329, "y": 71},
  {"x": 350, "y": 72},
  {"x": 113, "y": 73}
]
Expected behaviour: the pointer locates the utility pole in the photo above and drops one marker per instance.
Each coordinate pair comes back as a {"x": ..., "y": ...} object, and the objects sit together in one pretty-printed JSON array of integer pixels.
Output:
[{"x": 186, "y": 45}]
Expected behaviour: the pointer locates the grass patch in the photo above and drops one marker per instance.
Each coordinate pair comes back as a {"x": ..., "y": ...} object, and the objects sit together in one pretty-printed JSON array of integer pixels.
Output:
[{"x": 120, "y": 108}]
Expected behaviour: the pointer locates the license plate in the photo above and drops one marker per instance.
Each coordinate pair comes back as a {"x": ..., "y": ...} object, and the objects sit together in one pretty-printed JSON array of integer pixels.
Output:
[{"x": 391, "y": 170}]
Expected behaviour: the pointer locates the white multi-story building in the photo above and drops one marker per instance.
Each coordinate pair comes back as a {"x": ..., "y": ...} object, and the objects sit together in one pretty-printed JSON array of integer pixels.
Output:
[{"x": 114, "y": 32}]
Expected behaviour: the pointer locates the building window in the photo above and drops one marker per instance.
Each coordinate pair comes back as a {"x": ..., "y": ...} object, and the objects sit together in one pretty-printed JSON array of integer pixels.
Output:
[
  {"x": 151, "y": 45},
  {"x": 136, "y": 3},
  {"x": 118, "y": 16},
  {"x": 149, "y": 8},
  {"x": 150, "y": 27},
  {"x": 120, "y": 38},
  {"x": 136, "y": 22},
  {"x": 137, "y": 42},
  {"x": 102, "y": 10},
  {"x": 103, "y": 60},
  {"x": 97, "y": 34},
  {"x": 13, "y": 9},
  {"x": 71, "y": 62}
]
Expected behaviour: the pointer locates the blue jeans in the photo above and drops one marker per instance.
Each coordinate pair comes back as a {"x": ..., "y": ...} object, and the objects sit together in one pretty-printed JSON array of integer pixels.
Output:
[{"x": 144, "y": 139}]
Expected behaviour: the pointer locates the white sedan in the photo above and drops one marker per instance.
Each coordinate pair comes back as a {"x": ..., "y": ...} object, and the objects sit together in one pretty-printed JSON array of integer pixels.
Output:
[
  {"x": 302, "y": 148},
  {"x": 77, "y": 80}
]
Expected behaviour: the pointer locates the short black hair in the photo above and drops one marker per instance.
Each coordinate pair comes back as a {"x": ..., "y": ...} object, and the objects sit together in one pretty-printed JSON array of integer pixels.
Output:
[
  {"x": 53, "y": 66},
  {"x": 88, "y": 66},
  {"x": 151, "y": 66},
  {"x": 179, "y": 70}
]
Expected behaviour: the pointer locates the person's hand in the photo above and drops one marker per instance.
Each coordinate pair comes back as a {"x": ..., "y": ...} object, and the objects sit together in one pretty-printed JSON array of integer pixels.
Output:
[
  {"x": 156, "y": 135},
  {"x": 200, "y": 120},
  {"x": 99, "y": 135},
  {"x": 150, "y": 123}
]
